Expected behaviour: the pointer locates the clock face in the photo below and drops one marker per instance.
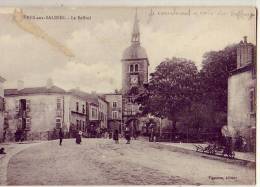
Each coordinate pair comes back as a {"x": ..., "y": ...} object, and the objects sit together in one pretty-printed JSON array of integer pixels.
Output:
[{"x": 134, "y": 79}]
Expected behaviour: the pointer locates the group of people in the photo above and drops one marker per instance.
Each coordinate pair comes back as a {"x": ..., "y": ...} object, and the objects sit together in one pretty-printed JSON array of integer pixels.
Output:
[
  {"x": 78, "y": 137},
  {"x": 115, "y": 136},
  {"x": 127, "y": 135}
]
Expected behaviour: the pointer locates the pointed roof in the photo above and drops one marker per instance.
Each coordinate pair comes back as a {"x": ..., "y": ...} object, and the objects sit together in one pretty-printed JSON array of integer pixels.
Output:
[
  {"x": 136, "y": 33},
  {"x": 135, "y": 51}
]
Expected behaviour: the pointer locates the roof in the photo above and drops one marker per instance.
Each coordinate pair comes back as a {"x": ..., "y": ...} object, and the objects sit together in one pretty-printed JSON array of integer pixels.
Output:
[
  {"x": 90, "y": 98},
  {"x": 33, "y": 90},
  {"x": 247, "y": 67},
  {"x": 102, "y": 98},
  {"x": 135, "y": 51},
  {"x": 2, "y": 79}
]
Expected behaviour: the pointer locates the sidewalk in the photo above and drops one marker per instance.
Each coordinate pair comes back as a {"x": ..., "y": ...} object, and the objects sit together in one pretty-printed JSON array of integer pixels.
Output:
[{"x": 240, "y": 157}]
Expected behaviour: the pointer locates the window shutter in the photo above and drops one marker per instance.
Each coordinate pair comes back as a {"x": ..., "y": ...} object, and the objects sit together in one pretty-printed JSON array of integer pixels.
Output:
[
  {"x": 19, "y": 126},
  {"x": 17, "y": 105},
  {"x": 1, "y": 104},
  {"x": 28, "y": 123},
  {"x": 28, "y": 105}
]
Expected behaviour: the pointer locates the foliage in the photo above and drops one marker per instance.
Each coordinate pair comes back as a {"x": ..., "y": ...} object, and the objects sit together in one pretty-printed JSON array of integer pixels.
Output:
[
  {"x": 171, "y": 88},
  {"x": 196, "y": 99},
  {"x": 214, "y": 77}
]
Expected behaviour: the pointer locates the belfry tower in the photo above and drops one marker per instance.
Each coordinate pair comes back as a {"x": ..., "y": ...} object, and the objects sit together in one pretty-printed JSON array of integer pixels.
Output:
[{"x": 135, "y": 74}]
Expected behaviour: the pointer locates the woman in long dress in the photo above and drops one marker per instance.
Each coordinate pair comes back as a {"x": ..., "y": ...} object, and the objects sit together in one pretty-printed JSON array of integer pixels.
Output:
[
  {"x": 115, "y": 136},
  {"x": 78, "y": 137}
]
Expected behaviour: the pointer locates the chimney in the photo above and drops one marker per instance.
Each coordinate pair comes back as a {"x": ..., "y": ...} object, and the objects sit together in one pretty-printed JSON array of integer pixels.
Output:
[
  {"x": 245, "y": 39},
  {"x": 20, "y": 85},
  {"x": 49, "y": 83}
]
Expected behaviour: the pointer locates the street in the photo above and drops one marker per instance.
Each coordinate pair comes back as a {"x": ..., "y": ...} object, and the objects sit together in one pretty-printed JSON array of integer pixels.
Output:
[{"x": 101, "y": 162}]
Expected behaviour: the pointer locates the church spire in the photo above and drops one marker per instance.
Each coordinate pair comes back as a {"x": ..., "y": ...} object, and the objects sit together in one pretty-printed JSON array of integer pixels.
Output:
[{"x": 136, "y": 33}]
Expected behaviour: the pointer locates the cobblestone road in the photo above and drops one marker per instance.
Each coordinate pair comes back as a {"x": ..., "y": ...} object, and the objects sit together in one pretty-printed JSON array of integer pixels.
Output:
[{"x": 101, "y": 162}]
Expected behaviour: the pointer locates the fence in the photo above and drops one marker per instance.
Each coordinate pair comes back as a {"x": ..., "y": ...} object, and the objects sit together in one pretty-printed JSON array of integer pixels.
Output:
[{"x": 188, "y": 138}]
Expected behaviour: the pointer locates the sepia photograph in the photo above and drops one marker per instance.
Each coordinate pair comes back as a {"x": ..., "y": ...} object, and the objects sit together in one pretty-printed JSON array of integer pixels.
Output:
[{"x": 159, "y": 95}]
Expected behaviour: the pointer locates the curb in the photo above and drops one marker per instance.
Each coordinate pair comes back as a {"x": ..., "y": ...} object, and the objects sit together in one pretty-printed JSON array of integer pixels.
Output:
[{"x": 240, "y": 162}]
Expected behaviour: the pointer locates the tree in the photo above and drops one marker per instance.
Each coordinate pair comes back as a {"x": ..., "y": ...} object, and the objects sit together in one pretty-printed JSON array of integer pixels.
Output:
[
  {"x": 171, "y": 89},
  {"x": 214, "y": 77}
]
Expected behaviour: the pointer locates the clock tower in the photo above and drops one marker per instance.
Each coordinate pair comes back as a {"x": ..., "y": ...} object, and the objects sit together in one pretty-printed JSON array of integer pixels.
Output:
[
  {"x": 134, "y": 62},
  {"x": 135, "y": 74}
]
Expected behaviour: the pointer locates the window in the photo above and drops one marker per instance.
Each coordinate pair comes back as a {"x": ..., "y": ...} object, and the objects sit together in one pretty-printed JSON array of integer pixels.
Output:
[
  {"x": 77, "y": 121},
  {"x": 83, "y": 125},
  {"x": 254, "y": 71},
  {"x": 23, "y": 104},
  {"x": 114, "y": 115},
  {"x": 252, "y": 100},
  {"x": 77, "y": 106},
  {"x": 136, "y": 67},
  {"x": 17, "y": 105},
  {"x": 28, "y": 123},
  {"x": 58, "y": 123},
  {"x": 94, "y": 113},
  {"x": 114, "y": 104},
  {"x": 83, "y": 109},
  {"x": 58, "y": 104},
  {"x": 19, "y": 126},
  {"x": 102, "y": 117},
  {"x": 2, "y": 104},
  {"x": 131, "y": 68}
]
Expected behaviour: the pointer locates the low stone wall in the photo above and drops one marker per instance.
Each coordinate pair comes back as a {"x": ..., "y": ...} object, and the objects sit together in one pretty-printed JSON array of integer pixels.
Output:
[{"x": 31, "y": 136}]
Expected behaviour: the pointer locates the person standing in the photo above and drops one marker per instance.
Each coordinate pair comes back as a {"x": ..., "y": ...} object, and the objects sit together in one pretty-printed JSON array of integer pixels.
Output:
[
  {"x": 115, "y": 136},
  {"x": 127, "y": 135},
  {"x": 61, "y": 135},
  {"x": 78, "y": 137},
  {"x": 4, "y": 135}
]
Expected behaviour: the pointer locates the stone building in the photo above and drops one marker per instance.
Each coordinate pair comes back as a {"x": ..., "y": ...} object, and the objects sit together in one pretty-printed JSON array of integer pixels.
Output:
[
  {"x": 33, "y": 112},
  {"x": 242, "y": 94},
  {"x": 76, "y": 111},
  {"x": 114, "y": 111},
  {"x": 93, "y": 123},
  {"x": 135, "y": 74},
  {"x": 102, "y": 113},
  {"x": 39, "y": 112},
  {"x": 2, "y": 109}
]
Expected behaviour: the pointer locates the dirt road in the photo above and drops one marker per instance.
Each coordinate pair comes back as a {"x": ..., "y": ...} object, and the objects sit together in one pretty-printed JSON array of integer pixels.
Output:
[{"x": 101, "y": 162}]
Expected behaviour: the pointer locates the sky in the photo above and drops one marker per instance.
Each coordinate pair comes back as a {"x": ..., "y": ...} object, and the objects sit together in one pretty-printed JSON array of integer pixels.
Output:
[{"x": 86, "y": 53}]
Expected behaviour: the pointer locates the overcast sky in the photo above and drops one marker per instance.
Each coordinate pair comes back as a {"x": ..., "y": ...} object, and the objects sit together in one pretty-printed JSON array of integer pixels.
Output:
[{"x": 87, "y": 53}]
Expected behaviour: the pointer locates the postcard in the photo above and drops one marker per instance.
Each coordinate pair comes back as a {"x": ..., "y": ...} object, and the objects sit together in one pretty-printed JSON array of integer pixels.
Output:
[{"x": 142, "y": 95}]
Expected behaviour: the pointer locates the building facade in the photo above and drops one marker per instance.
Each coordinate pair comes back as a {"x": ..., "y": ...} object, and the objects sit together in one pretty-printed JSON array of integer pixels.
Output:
[
  {"x": 39, "y": 112},
  {"x": 2, "y": 110},
  {"x": 33, "y": 112},
  {"x": 93, "y": 127},
  {"x": 242, "y": 94},
  {"x": 102, "y": 113},
  {"x": 135, "y": 75},
  {"x": 75, "y": 112},
  {"x": 114, "y": 111}
]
